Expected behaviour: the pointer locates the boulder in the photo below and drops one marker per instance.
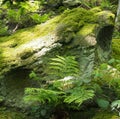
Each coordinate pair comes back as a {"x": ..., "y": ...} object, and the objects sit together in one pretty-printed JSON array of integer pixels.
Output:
[{"x": 85, "y": 34}]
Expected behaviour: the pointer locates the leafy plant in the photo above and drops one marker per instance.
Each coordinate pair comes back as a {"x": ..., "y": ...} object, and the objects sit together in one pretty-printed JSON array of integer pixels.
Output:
[
  {"x": 115, "y": 105},
  {"x": 64, "y": 66},
  {"x": 3, "y": 28},
  {"x": 79, "y": 95},
  {"x": 41, "y": 95},
  {"x": 65, "y": 89},
  {"x": 103, "y": 103}
]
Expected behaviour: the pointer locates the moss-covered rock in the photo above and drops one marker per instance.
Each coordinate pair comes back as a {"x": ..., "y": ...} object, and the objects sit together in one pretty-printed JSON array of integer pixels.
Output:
[
  {"x": 103, "y": 114},
  {"x": 76, "y": 27},
  {"x": 116, "y": 48},
  {"x": 75, "y": 31},
  {"x": 10, "y": 114}
]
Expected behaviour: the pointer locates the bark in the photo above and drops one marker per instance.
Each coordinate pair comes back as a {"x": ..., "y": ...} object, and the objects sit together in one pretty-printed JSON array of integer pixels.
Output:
[{"x": 118, "y": 13}]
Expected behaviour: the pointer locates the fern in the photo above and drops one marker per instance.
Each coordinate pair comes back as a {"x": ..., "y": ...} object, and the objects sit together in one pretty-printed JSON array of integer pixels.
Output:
[
  {"x": 66, "y": 89},
  {"x": 64, "y": 66},
  {"x": 41, "y": 95},
  {"x": 79, "y": 95}
]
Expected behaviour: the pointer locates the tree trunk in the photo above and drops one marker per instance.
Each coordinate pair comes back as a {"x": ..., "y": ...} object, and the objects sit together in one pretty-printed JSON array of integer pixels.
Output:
[{"x": 117, "y": 20}]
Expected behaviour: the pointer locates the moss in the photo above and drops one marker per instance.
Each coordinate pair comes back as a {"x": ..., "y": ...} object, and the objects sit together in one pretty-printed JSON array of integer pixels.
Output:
[
  {"x": 1, "y": 57},
  {"x": 103, "y": 114},
  {"x": 68, "y": 26},
  {"x": 77, "y": 15},
  {"x": 116, "y": 48},
  {"x": 28, "y": 34},
  {"x": 82, "y": 20},
  {"x": 87, "y": 29},
  {"x": 105, "y": 18},
  {"x": 11, "y": 115},
  {"x": 71, "y": 21},
  {"x": 10, "y": 46},
  {"x": 96, "y": 9}
]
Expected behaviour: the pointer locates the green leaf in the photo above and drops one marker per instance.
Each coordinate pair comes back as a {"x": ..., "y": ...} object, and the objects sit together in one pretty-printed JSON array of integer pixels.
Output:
[
  {"x": 102, "y": 103},
  {"x": 64, "y": 66},
  {"x": 111, "y": 61},
  {"x": 43, "y": 112},
  {"x": 103, "y": 66},
  {"x": 79, "y": 95}
]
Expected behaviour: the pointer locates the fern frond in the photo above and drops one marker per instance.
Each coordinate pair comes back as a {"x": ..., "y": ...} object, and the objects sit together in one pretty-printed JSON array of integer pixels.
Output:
[
  {"x": 41, "y": 95},
  {"x": 64, "y": 66},
  {"x": 79, "y": 95}
]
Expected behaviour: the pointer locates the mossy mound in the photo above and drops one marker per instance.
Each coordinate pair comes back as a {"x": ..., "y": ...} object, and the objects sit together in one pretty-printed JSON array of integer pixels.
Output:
[
  {"x": 9, "y": 114},
  {"x": 116, "y": 48},
  {"x": 103, "y": 114},
  {"x": 72, "y": 27},
  {"x": 72, "y": 21}
]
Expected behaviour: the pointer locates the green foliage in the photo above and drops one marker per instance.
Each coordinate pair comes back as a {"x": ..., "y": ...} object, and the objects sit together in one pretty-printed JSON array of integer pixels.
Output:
[
  {"x": 34, "y": 76},
  {"x": 105, "y": 4},
  {"x": 102, "y": 103},
  {"x": 41, "y": 111},
  {"x": 107, "y": 79},
  {"x": 26, "y": 12},
  {"x": 67, "y": 90},
  {"x": 79, "y": 95},
  {"x": 23, "y": 14},
  {"x": 41, "y": 95},
  {"x": 3, "y": 29},
  {"x": 108, "y": 5},
  {"x": 115, "y": 63},
  {"x": 116, "y": 48},
  {"x": 105, "y": 72},
  {"x": 64, "y": 66}
]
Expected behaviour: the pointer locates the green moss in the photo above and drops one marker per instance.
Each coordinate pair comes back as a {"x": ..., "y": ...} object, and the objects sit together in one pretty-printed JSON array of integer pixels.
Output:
[
  {"x": 105, "y": 17},
  {"x": 96, "y": 9},
  {"x": 116, "y": 48},
  {"x": 87, "y": 29},
  {"x": 1, "y": 57},
  {"x": 11, "y": 115},
  {"x": 67, "y": 26},
  {"x": 77, "y": 15},
  {"x": 103, "y": 114},
  {"x": 28, "y": 34},
  {"x": 10, "y": 46},
  {"x": 72, "y": 21}
]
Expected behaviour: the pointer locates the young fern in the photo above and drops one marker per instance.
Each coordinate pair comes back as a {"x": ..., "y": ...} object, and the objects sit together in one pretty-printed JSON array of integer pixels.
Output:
[
  {"x": 79, "y": 95},
  {"x": 41, "y": 95},
  {"x": 64, "y": 66},
  {"x": 63, "y": 90}
]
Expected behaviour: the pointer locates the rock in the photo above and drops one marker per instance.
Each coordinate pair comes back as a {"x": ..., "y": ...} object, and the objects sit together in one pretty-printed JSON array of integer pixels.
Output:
[
  {"x": 71, "y": 2},
  {"x": 83, "y": 33}
]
